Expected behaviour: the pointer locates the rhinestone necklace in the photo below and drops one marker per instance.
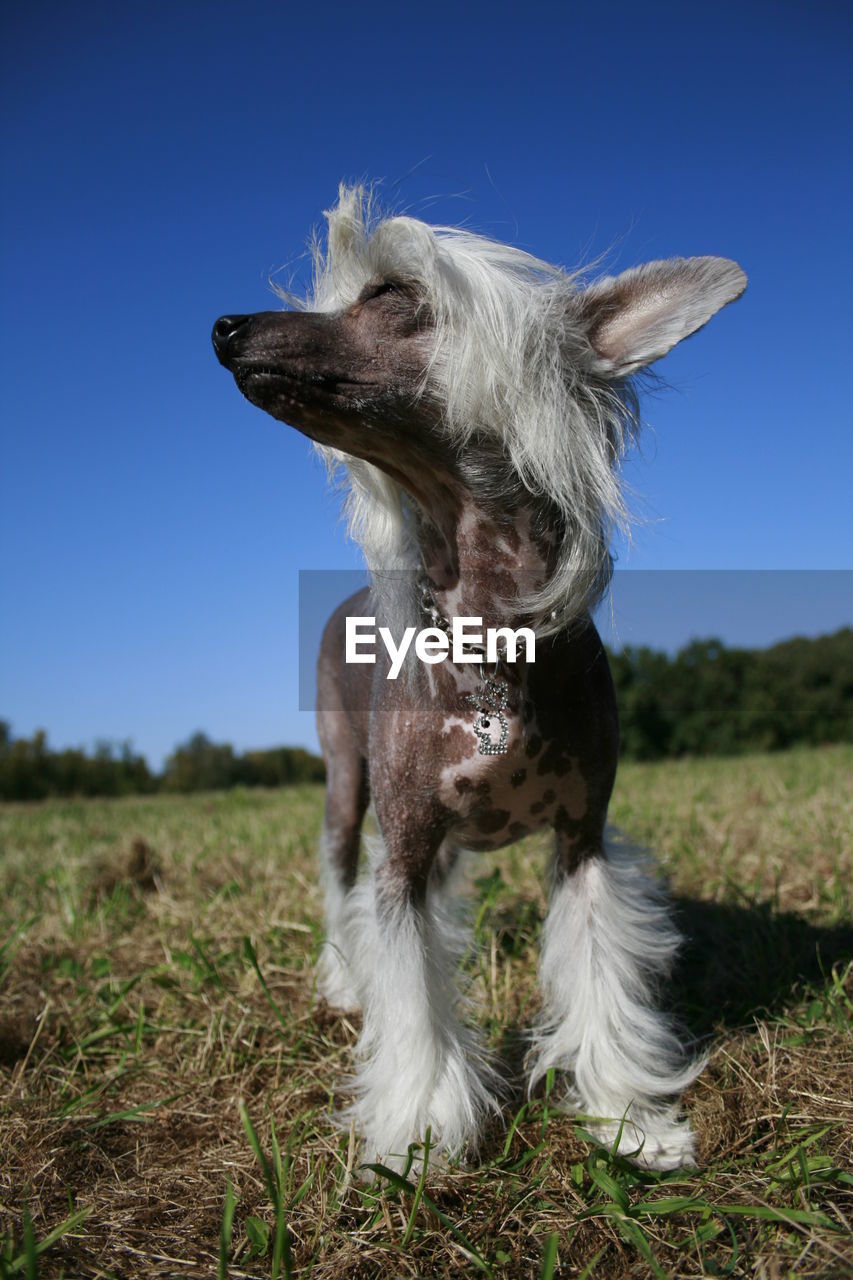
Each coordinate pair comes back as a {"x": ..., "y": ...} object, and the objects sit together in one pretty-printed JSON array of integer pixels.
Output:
[{"x": 489, "y": 702}]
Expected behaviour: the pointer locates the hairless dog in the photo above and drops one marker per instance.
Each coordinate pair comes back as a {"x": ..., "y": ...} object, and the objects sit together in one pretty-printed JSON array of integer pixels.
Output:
[{"x": 479, "y": 402}]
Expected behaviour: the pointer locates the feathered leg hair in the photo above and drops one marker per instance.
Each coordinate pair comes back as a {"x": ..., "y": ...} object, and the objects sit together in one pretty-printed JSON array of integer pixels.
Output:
[{"x": 608, "y": 942}]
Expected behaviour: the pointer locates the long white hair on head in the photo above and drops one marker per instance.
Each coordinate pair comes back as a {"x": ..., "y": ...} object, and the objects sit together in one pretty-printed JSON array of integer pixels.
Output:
[{"x": 513, "y": 363}]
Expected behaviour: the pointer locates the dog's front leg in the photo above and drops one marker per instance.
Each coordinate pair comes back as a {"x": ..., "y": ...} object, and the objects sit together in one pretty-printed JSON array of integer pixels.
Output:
[
  {"x": 342, "y": 690},
  {"x": 342, "y": 951},
  {"x": 419, "y": 1067},
  {"x": 347, "y": 795},
  {"x": 608, "y": 942}
]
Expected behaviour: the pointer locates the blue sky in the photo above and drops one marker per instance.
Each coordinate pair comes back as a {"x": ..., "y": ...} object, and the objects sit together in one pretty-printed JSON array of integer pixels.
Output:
[{"x": 161, "y": 161}]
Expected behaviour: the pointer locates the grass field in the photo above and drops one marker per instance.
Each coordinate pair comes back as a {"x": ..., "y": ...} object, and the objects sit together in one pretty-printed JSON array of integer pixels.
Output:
[{"x": 166, "y": 1070}]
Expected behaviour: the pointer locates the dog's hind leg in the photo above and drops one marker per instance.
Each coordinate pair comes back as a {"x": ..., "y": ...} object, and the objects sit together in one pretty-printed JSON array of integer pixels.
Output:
[
  {"x": 420, "y": 1067},
  {"x": 607, "y": 943}
]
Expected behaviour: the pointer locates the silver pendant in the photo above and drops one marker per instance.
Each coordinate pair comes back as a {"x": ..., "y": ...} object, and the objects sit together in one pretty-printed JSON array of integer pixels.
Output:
[{"x": 490, "y": 724}]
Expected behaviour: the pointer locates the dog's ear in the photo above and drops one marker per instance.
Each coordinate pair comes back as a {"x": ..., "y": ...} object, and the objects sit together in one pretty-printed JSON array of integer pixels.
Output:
[{"x": 636, "y": 317}]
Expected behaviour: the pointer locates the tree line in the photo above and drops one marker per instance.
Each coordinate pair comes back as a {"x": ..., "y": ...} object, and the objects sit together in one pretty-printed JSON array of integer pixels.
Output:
[
  {"x": 706, "y": 700},
  {"x": 30, "y": 770},
  {"x": 711, "y": 700}
]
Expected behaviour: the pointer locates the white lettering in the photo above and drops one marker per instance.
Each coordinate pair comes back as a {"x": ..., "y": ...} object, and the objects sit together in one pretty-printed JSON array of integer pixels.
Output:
[
  {"x": 510, "y": 639},
  {"x": 432, "y": 645},
  {"x": 354, "y": 640},
  {"x": 462, "y": 637},
  {"x": 396, "y": 655}
]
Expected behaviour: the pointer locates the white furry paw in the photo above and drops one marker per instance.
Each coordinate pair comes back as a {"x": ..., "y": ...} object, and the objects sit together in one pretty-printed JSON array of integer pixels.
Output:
[
  {"x": 394, "y": 1108},
  {"x": 656, "y": 1144}
]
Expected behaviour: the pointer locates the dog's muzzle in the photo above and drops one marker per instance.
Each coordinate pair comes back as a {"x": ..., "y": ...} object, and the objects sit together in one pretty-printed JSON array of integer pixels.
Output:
[{"x": 224, "y": 331}]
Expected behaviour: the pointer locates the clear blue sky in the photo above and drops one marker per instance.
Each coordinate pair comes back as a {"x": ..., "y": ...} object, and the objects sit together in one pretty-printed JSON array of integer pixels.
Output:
[{"x": 159, "y": 161}]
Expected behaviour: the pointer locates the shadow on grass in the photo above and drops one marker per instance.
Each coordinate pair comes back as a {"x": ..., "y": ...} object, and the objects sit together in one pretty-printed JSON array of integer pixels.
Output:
[{"x": 742, "y": 959}]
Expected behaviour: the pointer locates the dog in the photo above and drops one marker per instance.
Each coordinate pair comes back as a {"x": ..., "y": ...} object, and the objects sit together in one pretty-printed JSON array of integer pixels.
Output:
[{"x": 478, "y": 402}]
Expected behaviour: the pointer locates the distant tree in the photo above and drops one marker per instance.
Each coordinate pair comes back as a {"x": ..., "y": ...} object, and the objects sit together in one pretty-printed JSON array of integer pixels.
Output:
[
  {"x": 279, "y": 767},
  {"x": 24, "y": 772},
  {"x": 29, "y": 770},
  {"x": 200, "y": 765},
  {"x": 712, "y": 700},
  {"x": 639, "y": 675}
]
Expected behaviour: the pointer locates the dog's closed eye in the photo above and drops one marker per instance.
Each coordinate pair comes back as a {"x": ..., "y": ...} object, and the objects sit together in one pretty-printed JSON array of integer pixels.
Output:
[
  {"x": 378, "y": 290},
  {"x": 402, "y": 290}
]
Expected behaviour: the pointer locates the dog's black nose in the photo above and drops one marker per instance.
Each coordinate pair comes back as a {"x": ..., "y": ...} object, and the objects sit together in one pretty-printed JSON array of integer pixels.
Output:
[{"x": 223, "y": 332}]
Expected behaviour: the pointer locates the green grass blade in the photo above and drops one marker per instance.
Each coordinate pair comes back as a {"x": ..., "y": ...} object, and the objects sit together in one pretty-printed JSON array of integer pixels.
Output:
[
  {"x": 805, "y": 1217},
  {"x": 131, "y": 1113},
  {"x": 549, "y": 1260},
  {"x": 251, "y": 955},
  {"x": 33, "y": 1249},
  {"x": 403, "y": 1185},
  {"x": 633, "y": 1232},
  {"x": 609, "y": 1186},
  {"x": 593, "y": 1263},
  {"x": 249, "y": 1128},
  {"x": 281, "y": 1254},
  {"x": 516, "y": 1121},
  {"x": 410, "y": 1225},
  {"x": 670, "y": 1204},
  {"x": 225, "y": 1232},
  {"x": 30, "y": 1262}
]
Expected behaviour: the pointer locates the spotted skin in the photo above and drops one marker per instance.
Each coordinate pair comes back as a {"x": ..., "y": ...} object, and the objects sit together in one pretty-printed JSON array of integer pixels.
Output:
[{"x": 415, "y": 742}]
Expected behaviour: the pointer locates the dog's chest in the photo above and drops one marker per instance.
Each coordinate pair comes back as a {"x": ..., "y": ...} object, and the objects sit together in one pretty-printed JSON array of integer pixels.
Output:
[{"x": 499, "y": 797}]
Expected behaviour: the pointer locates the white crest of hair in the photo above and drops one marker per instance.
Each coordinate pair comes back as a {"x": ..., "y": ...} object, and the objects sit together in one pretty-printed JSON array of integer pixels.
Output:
[
  {"x": 506, "y": 346},
  {"x": 419, "y": 1066},
  {"x": 513, "y": 359},
  {"x": 607, "y": 943}
]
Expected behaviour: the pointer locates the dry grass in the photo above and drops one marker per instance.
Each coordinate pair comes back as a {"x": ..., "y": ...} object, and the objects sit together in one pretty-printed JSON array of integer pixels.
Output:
[{"x": 156, "y": 969}]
